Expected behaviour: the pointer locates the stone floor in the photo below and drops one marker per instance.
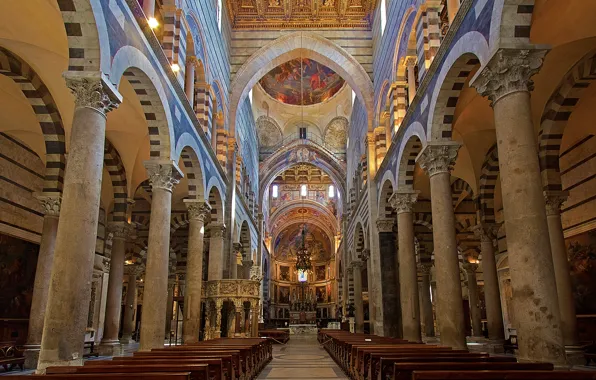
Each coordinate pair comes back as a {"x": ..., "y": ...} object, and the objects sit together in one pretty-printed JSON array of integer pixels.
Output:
[{"x": 301, "y": 358}]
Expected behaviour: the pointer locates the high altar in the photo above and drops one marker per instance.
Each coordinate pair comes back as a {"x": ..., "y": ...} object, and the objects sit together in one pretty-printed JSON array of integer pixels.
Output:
[{"x": 303, "y": 314}]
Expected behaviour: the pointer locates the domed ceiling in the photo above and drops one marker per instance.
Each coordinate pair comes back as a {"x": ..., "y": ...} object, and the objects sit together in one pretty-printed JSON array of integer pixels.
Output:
[
  {"x": 289, "y": 241},
  {"x": 319, "y": 82}
]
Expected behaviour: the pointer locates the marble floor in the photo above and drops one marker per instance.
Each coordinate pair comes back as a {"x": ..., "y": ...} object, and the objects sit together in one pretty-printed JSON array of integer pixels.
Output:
[{"x": 301, "y": 358}]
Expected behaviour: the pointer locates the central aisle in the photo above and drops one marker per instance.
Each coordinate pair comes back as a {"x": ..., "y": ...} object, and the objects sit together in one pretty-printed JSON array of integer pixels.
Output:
[{"x": 301, "y": 358}]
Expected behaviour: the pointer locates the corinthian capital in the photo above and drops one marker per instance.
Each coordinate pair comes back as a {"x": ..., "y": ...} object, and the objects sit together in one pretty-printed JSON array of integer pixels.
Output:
[
  {"x": 554, "y": 201},
  {"x": 438, "y": 157},
  {"x": 425, "y": 268},
  {"x": 217, "y": 229},
  {"x": 163, "y": 175},
  {"x": 119, "y": 230},
  {"x": 486, "y": 232},
  {"x": 403, "y": 200},
  {"x": 508, "y": 71},
  {"x": 197, "y": 210},
  {"x": 93, "y": 91},
  {"x": 385, "y": 224},
  {"x": 50, "y": 203}
]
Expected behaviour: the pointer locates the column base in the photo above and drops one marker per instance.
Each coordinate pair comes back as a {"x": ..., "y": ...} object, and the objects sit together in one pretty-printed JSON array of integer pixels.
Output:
[
  {"x": 127, "y": 340},
  {"x": 42, "y": 365},
  {"x": 575, "y": 355},
  {"x": 482, "y": 344},
  {"x": 31, "y": 355},
  {"x": 109, "y": 348},
  {"x": 430, "y": 339}
]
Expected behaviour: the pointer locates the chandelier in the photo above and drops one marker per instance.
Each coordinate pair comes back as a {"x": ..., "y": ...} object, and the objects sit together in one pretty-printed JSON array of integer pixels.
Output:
[{"x": 302, "y": 256}]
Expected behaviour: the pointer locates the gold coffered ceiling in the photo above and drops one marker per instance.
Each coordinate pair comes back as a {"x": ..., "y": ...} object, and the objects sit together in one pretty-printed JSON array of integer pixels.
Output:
[{"x": 293, "y": 14}]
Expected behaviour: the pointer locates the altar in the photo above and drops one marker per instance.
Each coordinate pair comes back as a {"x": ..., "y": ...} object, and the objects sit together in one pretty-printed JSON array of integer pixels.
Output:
[
  {"x": 303, "y": 329},
  {"x": 303, "y": 317}
]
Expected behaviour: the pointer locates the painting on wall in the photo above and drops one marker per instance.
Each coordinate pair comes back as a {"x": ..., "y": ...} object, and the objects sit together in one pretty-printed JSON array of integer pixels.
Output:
[
  {"x": 319, "y": 82},
  {"x": 18, "y": 260},
  {"x": 581, "y": 250},
  {"x": 284, "y": 294},
  {"x": 321, "y": 294},
  {"x": 320, "y": 272},
  {"x": 284, "y": 273}
]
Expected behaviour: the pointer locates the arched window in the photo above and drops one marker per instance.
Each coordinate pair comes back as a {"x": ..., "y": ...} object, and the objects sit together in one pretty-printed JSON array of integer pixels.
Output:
[
  {"x": 331, "y": 191},
  {"x": 303, "y": 191},
  {"x": 383, "y": 16},
  {"x": 275, "y": 191}
]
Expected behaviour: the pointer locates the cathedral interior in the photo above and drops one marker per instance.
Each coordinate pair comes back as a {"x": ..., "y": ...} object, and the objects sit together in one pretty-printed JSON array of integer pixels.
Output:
[{"x": 175, "y": 172}]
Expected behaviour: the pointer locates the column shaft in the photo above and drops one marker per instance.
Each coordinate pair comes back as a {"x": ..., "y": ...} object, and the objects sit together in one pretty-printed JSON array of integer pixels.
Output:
[
  {"x": 170, "y": 306},
  {"x": 411, "y": 80},
  {"x": 189, "y": 81},
  {"x": 474, "y": 301},
  {"x": 427, "y": 306},
  {"x": 43, "y": 273},
  {"x": 358, "y": 303},
  {"x": 216, "y": 251},
  {"x": 408, "y": 278},
  {"x": 70, "y": 285},
  {"x": 129, "y": 310}
]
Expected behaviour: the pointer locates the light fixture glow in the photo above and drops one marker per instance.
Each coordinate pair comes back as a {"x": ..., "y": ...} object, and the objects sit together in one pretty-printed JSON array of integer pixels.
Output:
[
  {"x": 153, "y": 23},
  {"x": 175, "y": 67}
]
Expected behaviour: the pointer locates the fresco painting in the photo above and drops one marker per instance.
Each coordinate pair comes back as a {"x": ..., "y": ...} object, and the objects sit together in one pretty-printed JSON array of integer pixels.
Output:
[{"x": 319, "y": 82}]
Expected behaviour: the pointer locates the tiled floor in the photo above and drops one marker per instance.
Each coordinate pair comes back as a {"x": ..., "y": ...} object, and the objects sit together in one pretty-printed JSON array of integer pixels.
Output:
[{"x": 301, "y": 358}]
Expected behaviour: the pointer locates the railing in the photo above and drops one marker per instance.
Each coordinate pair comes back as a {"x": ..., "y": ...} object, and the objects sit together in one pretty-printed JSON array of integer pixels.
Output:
[{"x": 310, "y": 137}]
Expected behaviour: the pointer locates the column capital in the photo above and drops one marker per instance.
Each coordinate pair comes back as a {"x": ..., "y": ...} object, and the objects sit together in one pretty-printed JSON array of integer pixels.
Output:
[
  {"x": 403, "y": 200},
  {"x": 425, "y": 268},
  {"x": 365, "y": 255},
  {"x": 350, "y": 269},
  {"x": 119, "y": 230},
  {"x": 470, "y": 267},
  {"x": 508, "y": 71},
  {"x": 50, "y": 202},
  {"x": 217, "y": 229},
  {"x": 357, "y": 265},
  {"x": 370, "y": 138},
  {"x": 191, "y": 60},
  {"x": 163, "y": 174},
  {"x": 197, "y": 209},
  {"x": 410, "y": 61},
  {"x": 438, "y": 157},
  {"x": 93, "y": 91},
  {"x": 486, "y": 232},
  {"x": 554, "y": 200},
  {"x": 232, "y": 145},
  {"x": 133, "y": 270},
  {"x": 385, "y": 224}
]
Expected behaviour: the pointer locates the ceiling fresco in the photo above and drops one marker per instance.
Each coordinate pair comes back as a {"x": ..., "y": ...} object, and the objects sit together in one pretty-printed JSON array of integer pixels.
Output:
[
  {"x": 319, "y": 83},
  {"x": 289, "y": 241}
]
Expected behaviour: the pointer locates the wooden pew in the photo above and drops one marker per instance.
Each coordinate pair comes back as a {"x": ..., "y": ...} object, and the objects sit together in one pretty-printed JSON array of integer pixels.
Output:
[
  {"x": 11, "y": 356},
  {"x": 226, "y": 362},
  {"x": 278, "y": 335},
  {"x": 403, "y": 371},
  {"x": 105, "y": 376},
  {"x": 230, "y": 360},
  {"x": 197, "y": 371},
  {"x": 504, "y": 375}
]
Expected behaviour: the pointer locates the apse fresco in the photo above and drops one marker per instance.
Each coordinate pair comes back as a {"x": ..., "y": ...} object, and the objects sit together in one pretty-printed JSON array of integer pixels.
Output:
[
  {"x": 289, "y": 241},
  {"x": 319, "y": 82}
]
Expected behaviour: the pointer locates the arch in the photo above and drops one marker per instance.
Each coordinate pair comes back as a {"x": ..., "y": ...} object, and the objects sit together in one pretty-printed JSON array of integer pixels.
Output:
[
  {"x": 412, "y": 146},
  {"x": 296, "y": 45},
  {"x": 179, "y": 220},
  {"x": 458, "y": 187},
  {"x": 46, "y": 112},
  {"x": 510, "y": 23},
  {"x": 186, "y": 149},
  {"x": 424, "y": 219},
  {"x": 359, "y": 241},
  {"x": 487, "y": 184},
  {"x": 199, "y": 43},
  {"x": 114, "y": 166},
  {"x": 306, "y": 203},
  {"x": 381, "y": 102},
  {"x": 217, "y": 205},
  {"x": 146, "y": 82},
  {"x": 385, "y": 209},
  {"x": 555, "y": 117},
  {"x": 269, "y": 133},
  {"x": 402, "y": 39},
  {"x": 387, "y": 176},
  {"x": 469, "y": 51}
]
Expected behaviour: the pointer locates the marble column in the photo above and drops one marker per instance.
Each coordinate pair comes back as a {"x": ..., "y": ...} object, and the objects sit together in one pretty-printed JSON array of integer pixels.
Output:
[
  {"x": 170, "y": 305},
  {"x": 198, "y": 211},
  {"x": 554, "y": 200},
  {"x": 474, "y": 299},
  {"x": 189, "y": 81},
  {"x": 51, "y": 206},
  {"x": 505, "y": 80},
  {"x": 425, "y": 300},
  {"x": 410, "y": 66},
  {"x": 217, "y": 329},
  {"x": 492, "y": 296},
  {"x": 235, "y": 268},
  {"x": 402, "y": 202},
  {"x": 130, "y": 308},
  {"x": 163, "y": 176},
  {"x": 358, "y": 303},
  {"x": 110, "y": 344},
  {"x": 216, "y": 251},
  {"x": 392, "y": 326},
  {"x": 74, "y": 252},
  {"x": 437, "y": 160}
]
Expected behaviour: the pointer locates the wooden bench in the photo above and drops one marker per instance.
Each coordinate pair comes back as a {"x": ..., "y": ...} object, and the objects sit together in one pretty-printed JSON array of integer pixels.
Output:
[
  {"x": 504, "y": 375},
  {"x": 277, "y": 335},
  {"x": 110, "y": 376},
  {"x": 195, "y": 371},
  {"x": 11, "y": 357},
  {"x": 403, "y": 371},
  {"x": 590, "y": 358},
  {"x": 216, "y": 363}
]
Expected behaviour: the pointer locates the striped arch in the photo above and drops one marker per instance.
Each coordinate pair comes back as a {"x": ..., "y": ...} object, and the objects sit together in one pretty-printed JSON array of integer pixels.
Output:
[
  {"x": 402, "y": 41},
  {"x": 47, "y": 115},
  {"x": 487, "y": 184},
  {"x": 216, "y": 204},
  {"x": 198, "y": 40},
  {"x": 114, "y": 166},
  {"x": 514, "y": 21},
  {"x": 556, "y": 114},
  {"x": 459, "y": 187},
  {"x": 245, "y": 240},
  {"x": 385, "y": 209},
  {"x": 451, "y": 87},
  {"x": 193, "y": 174},
  {"x": 359, "y": 242},
  {"x": 407, "y": 163},
  {"x": 423, "y": 218},
  {"x": 178, "y": 221}
]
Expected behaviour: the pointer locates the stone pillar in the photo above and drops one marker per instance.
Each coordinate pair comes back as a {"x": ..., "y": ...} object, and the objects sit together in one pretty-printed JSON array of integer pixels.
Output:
[
  {"x": 51, "y": 206},
  {"x": 130, "y": 307},
  {"x": 389, "y": 279},
  {"x": 170, "y": 304},
  {"x": 410, "y": 66},
  {"x": 208, "y": 316},
  {"x": 506, "y": 81},
  {"x": 402, "y": 202},
  {"x": 110, "y": 344},
  {"x": 254, "y": 325},
  {"x": 197, "y": 213},
  {"x": 358, "y": 304},
  {"x": 236, "y": 269},
  {"x": 426, "y": 304},
  {"x": 474, "y": 299},
  {"x": 189, "y": 81},
  {"x": 163, "y": 176},
  {"x": 554, "y": 200},
  {"x": 149, "y": 8},
  {"x": 216, "y": 248},
  {"x": 217, "y": 330},
  {"x": 492, "y": 295},
  {"x": 74, "y": 253},
  {"x": 437, "y": 160}
]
